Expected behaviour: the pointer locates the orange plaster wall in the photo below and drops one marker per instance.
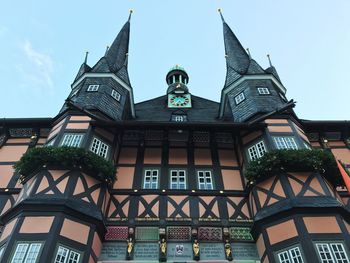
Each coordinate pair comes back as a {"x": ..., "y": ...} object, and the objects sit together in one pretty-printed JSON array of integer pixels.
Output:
[
  {"x": 202, "y": 157},
  {"x": 36, "y": 224},
  {"x": 342, "y": 154},
  {"x": 6, "y": 172},
  {"x": 41, "y": 141},
  {"x": 251, "y": 136},
  {"x": 280, "y": 129},
  {"x": 18, "y": 140},
  {"x": 276, "y": 121},
  {"x": 227, "y": 158},
  {"x": 260, "y": 245},
  {"x": 232, "y": 179},
  {"x": 282, "y": 231},
  {"x": 8, "y": 229},
  {"x": 75, "y": 231},
  {"x": 80, "y": 118},
  {"x": 177, "y": 156},
  {"x": 153, "y": 156},
  {"x": 96, "y": 245},
  {"x": 125, "y": 177},
  {"x": 12, "y": 153},
  {"x": 336, "y": 143},
  {"x": 318, "y": 225},
  {"x": 78, "y": 126},
  {"x": 127, "y": 155}
]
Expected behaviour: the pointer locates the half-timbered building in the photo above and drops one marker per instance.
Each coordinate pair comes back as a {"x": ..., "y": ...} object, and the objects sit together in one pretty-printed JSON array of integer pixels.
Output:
[{"x": 180, "y": 193}]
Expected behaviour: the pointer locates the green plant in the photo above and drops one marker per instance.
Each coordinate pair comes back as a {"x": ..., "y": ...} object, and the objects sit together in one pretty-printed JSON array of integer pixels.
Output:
[
  {"x": 65, "y": 157},
  {"x": 279, "y": 161}
]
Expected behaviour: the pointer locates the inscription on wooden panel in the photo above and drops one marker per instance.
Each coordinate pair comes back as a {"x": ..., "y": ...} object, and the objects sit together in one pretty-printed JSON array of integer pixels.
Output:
[
  {"x": 245, "y": 251},
  {"x": 146, "y": 251},
  {"x": 113, "y": 251},
  {"x": 212, "y": 251}
]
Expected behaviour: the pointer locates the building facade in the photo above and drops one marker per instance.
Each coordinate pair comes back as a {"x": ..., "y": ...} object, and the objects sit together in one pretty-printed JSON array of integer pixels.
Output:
[{"x": 180, "y": 193}]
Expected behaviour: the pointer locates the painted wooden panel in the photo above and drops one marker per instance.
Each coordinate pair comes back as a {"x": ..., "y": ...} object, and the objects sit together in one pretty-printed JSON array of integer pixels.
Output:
[
  {"x": 321, "y": 225},
  {"x": 127, "y": 155},
  {"x": 119, "y": 206},
  {"x": 12, "y": 153},
  {"x": 232, "y": 179},
  {"x": 177, "y": 156},
  {"x": 75, "y": 231},
  {"x": 282, "y": 231},
  {"x": 77, "y": 126},
  {"x": 125, "y": 177},
  {"x": 152, "y": 156},
  {"x": 227, "y": 158},
  {"x": 342, "y": 154},
  {"x": 178, "y": 206},
  {"x": 202, "y": 157},
  {"x": 6, "y": 173},
  {"x": 280, "y": 129},
  {"x": 36, "y": 224},
  {"x": 237, "y": 208}
]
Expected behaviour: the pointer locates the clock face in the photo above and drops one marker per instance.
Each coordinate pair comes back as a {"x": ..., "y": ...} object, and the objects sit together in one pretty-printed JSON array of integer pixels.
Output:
[{"x": 180, "y": 101}]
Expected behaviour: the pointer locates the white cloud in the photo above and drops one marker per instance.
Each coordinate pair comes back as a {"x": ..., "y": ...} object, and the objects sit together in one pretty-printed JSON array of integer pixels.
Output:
[{"x": 37, "y": 69}]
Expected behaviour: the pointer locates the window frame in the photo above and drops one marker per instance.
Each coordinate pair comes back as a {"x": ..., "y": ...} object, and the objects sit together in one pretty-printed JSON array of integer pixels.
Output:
[
  {"x": 290, "y": 257},
  {"x": 239, "y": 98},
  {"x": 101, "y": 144},
  {"x": 93, "y": 88},
  {"x": 255, "y": 151},
  {"x": 70, "y": 250},
  {"x": 151, "y": 176},
  {"x": 285, "y": 142},
  {"x": 329, "y": 245},
  {"x": 116, "y": 95},
  {"x": 72, "y": 142},
  {"x": 29, "y": 245},
  {"x": 205, "y": 179},
  {"x": 263, "y": 90},
  {"x": 177, "y": 177}
]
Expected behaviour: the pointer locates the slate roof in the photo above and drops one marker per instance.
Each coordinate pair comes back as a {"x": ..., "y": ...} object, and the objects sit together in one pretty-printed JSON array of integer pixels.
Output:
[{"x": 203, "y": 110}]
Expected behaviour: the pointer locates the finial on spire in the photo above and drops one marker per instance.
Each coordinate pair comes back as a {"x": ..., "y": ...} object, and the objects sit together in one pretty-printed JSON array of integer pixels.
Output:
[
  {"x": 268, "y": 57},
  {"x": 130, "y": 12},
  {"x": 222, "y": 17},
  {"x": 86, "y": 56},
  {"x": 248, "y": 51},
  {"x": 107, "y": 47}
]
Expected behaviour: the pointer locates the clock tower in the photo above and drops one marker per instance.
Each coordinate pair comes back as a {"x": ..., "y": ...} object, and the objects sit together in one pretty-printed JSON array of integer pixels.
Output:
[{"x": 178, "y": 95}]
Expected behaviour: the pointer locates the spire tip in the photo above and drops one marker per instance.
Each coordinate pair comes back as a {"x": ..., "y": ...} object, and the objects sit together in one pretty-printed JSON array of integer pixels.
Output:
[
  {"x": 130, "y": 12},
  {"x": 86, "y": 56},
  {"x": 222, "y": 17},
  {"x": 268, "y": 57}
]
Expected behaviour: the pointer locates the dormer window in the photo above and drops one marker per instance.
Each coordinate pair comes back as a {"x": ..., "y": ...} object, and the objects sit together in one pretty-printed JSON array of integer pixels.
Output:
[
  {"x": 92, "y": 88},
  {"x": 239, "y": 98},
  {"x": 263, "y": 90},
  {"x": 116, "y": 95}
]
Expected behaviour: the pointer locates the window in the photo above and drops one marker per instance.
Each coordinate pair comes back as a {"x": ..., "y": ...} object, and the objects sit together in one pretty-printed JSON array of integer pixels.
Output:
[
  {"x": 65, "y": 255},
  {"x": 256, "y": 151},
  {"x": 93, "y": 87},
  {"x": 51, "y": 142},
  {"x": 72, "y": 140},
  {"x": 332, "y": 253},
  {"x": 179, "y": 118},
  {"x": 99, "y": 147},
  {"x": 115, "y": 94},
  {"x": 205, "y": 182},
  {"x": 292, "y": 255},
  {"x": 285, "y": 143},
  {"x": 177, "y": 179},
  {"x": 150, "y": 181},
  {"x": 263, "y": 90},
  {"x": 239, "y": 98},
  {"x": 26, "y": 253}
]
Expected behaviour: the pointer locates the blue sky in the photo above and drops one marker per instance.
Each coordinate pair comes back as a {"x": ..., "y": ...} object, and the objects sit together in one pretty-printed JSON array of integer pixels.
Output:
[{"x": 42, "y": 44}]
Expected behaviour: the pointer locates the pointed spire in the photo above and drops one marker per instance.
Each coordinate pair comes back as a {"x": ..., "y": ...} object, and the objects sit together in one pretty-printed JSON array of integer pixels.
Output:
[
  {"x": 222, "y": 17},
  {"x": 268, "y": 57},
  {"x": 237, "y": 57},
  {"x": 86, "y": 57}
]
